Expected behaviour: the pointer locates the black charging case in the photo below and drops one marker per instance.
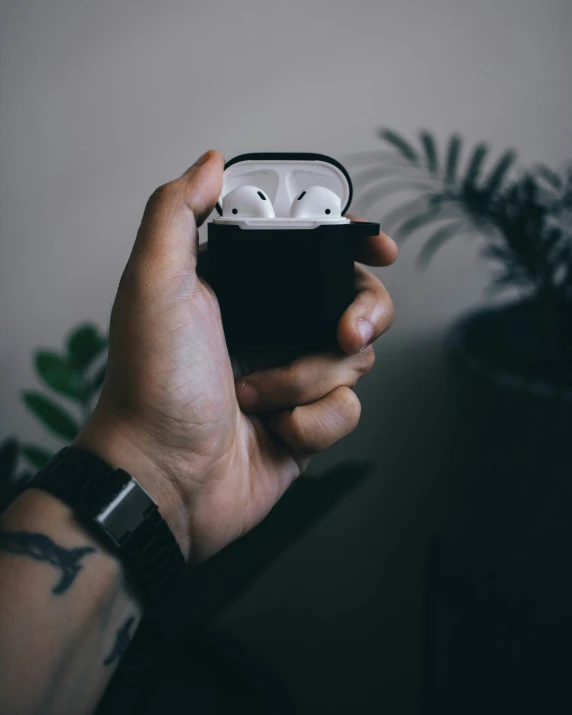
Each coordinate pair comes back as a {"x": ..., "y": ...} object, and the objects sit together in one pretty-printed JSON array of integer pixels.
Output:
[{"x": 283, "y": 284}]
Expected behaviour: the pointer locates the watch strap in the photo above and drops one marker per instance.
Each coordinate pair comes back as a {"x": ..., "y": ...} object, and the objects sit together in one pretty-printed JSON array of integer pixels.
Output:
[{"x": 115, "y": 507}]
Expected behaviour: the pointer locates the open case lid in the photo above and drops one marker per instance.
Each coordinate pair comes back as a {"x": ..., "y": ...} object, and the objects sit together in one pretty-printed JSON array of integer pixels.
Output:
[{"x": 283, "y": 176}]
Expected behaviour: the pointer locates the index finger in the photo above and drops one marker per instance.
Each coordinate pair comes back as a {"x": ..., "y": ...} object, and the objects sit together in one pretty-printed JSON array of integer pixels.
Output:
[{"x": 380, "y": 250}]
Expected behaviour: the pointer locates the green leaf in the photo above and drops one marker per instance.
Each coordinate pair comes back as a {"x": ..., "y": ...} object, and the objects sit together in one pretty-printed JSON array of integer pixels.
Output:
[
  {"x": 430, "y": 149},
  {"x": 98, "y": 378},
  {"x": 475, "y": 164},
  {"x": 529, "y": 190},
  {"x": 84, "y": 345},
  {"x": 416, "y": 222},
  {"x": 401, "y": 144},
  {"x": 499, "y": 171},
  {"x": 452, "y": 160},
  {"x": 551, "y": 177},
  {"x": 56, "y": 371},
  {"x": 435, "y": 241},
  {"x": 36, "y": 456},
  {"x": 216, "y": 583},
  {"x": 54, "y": 417},
  {"x": 498, "y": 253},
  {"x": 509, "y": 277},
  {"x": 9, "y": 452}
]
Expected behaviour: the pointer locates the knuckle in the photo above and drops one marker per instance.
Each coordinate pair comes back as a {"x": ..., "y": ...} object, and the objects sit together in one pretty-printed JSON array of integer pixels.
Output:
[
  {"x": 294, "y": 380},
  {"x": 162, "y": 194}
]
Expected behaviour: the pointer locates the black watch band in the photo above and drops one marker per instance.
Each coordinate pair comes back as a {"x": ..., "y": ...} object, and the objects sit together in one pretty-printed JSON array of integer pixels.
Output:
[{"x": 115, "y": 507}]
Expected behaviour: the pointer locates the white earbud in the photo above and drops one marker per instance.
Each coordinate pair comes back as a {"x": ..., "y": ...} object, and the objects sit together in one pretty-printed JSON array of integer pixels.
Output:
[
  {"x": 316, "y": 202},
  {"x": 247, "y": 202}
]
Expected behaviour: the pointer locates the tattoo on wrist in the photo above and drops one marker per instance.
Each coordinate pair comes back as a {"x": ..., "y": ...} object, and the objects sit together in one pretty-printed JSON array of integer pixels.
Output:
[
  {"x": 122, "y": 641},
  {"x": 41, "y": 548}
]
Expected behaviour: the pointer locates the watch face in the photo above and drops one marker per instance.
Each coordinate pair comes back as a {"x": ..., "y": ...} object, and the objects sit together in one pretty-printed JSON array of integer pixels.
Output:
[{"x": 126, "y": 511}]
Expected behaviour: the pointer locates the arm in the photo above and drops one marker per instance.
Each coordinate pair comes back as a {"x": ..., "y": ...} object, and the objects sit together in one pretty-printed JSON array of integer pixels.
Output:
[
  {"x": 66, "y": 612},
  {"x": 213, "y": 449}
]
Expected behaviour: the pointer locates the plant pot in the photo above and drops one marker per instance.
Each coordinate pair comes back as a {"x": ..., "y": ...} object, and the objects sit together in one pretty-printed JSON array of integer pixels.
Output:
[{"x": 501, "y": 577}]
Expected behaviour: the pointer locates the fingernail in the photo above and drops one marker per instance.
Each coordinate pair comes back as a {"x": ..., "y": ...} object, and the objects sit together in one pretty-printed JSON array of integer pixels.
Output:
[
  {"x": 365, "y": 329},
  {"x": 247, "y": 394}
]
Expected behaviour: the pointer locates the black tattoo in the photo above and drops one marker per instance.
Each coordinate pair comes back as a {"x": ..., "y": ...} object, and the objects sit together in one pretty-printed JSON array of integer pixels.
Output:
[
  {"x": 122, "y": 640},
  {"x": 42, "y": 548}
]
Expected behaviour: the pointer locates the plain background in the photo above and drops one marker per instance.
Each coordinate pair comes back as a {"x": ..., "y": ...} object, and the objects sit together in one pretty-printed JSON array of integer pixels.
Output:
[{"x": 102, "y": 101}]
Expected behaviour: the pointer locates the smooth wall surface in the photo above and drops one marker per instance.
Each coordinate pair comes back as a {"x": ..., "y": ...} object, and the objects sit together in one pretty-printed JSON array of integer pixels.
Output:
[{"x": 102, "y": 101}]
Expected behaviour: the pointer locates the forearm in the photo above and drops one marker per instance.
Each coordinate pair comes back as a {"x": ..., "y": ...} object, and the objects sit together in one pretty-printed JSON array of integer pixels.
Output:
[{"x": 66, "y": 612}]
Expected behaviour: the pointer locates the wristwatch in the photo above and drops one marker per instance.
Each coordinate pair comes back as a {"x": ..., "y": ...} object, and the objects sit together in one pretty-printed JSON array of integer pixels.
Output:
[{"x": 116, "y": 508}]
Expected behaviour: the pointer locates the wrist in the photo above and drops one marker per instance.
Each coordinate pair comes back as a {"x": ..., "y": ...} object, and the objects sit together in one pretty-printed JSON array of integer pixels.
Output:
[{"x": 121, "y": 447}]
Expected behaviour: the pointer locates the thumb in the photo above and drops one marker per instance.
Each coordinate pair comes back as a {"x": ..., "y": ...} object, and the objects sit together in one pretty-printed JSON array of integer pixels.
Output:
[{"x": 167, "y": 238}]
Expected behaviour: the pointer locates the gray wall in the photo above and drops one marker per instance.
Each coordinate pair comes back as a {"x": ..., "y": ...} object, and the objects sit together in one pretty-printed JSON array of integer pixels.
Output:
[{"x": 102, "y": 101}]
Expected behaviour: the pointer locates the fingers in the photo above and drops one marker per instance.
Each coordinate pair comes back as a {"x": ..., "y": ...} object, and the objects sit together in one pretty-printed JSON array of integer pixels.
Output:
[
  {"x": 370, "y": 314},
  {"x": 167, "y": 237},
  {"x": 310, "y": 429},
  {"x": 303, "y": 381},
  {"x": 378, "y": 250}
]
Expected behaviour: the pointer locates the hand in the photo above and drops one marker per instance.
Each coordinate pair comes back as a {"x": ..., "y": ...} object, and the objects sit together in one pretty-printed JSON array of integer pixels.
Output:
[{"x": 217, "y": 452}]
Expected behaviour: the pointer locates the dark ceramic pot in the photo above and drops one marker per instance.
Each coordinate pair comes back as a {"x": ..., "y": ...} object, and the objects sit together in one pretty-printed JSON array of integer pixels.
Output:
[{"x": 500, "y": 588}]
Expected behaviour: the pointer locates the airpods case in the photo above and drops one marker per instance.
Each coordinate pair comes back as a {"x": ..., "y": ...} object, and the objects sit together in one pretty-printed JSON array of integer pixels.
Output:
[{"x": 283, "y": 283}]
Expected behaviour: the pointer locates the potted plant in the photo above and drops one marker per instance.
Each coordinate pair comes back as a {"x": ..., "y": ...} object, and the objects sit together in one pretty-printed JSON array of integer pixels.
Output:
[{"x": 501, "y": 617}]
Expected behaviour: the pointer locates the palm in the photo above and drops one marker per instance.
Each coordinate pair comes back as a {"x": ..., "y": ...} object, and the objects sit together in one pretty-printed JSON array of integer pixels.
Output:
[
  {"x": 185, "y": 388},
  {"x": 245, "y": 464}
]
